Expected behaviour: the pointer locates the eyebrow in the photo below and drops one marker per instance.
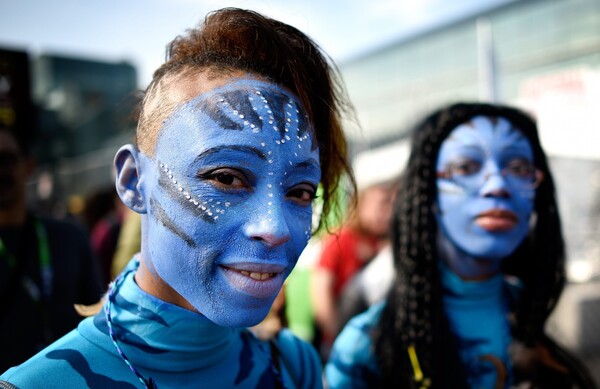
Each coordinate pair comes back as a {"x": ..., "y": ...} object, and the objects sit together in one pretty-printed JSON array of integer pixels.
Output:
[
  {"x": 311, "y": 162},
  {"x": 244, "y": 149}
]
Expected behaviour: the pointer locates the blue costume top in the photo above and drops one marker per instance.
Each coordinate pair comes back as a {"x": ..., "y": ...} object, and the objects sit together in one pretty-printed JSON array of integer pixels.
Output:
[
  {"x": 175, "y": 347},
  {"x": 477, "y": 312},
  {"x": 478, "y": 316}
]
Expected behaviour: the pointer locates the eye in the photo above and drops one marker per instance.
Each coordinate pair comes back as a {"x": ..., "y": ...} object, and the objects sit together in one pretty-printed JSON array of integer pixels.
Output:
[
  {"x": 465, "y": 167},
  {"x": 520, "y": 168},
  {"x": 302, "y": 194},
  {"x": 226, "y": 179}
]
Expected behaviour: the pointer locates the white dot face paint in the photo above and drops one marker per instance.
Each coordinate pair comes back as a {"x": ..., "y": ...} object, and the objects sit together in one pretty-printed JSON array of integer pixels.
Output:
[{"x": 230, "y": 203}]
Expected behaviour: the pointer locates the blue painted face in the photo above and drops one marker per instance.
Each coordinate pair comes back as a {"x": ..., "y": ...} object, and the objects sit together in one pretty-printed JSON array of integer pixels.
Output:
[
  {"x": 486, "y": 187},
  {"x": 230, "y": 189}
]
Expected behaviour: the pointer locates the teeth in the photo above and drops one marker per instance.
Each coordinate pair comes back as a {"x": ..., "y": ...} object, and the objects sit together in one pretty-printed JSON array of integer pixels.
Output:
[{"x": 257, "y": 276}]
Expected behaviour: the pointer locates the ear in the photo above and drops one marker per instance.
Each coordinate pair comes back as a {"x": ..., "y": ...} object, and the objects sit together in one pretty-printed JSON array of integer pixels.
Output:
[{"x": 128, "y": 180}]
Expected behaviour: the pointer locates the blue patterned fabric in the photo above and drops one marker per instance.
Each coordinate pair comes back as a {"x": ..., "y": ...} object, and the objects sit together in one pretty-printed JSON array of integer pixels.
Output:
[
  {"x": 177, "y": 348},
  {"x": 352, "y": 362},
  {"x": 477, "y": 312}
]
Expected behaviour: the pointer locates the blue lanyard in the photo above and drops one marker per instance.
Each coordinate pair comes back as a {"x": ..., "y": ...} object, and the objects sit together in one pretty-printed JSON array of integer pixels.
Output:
[{"x": 44, "y": 259}]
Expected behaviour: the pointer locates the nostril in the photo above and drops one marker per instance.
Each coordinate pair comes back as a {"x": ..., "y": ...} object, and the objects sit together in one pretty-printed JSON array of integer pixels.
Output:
[{"x": 502, "y": 193}]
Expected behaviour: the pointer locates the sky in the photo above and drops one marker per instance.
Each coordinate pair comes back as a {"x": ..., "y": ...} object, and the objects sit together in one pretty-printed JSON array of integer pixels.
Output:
[{"x": 137, "y": 31}]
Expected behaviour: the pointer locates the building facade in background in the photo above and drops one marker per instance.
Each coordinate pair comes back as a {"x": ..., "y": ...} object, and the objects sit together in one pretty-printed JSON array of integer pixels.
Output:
[
  {"x": 76, "y": 112},
  {"x": 85, "y": 114},
  {"x": 16, "y": 108}
]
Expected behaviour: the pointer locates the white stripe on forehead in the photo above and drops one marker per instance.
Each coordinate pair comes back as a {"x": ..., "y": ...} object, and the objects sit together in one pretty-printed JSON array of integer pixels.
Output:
[
  {"x": 252, "y": 105},
  {"x": 499, "y": 126}
]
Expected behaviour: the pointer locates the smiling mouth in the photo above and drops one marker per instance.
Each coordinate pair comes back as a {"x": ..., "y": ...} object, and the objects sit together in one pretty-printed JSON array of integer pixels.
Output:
[
  {"x": 257, "y": 276},
  {"x": 259, "y": 281}
]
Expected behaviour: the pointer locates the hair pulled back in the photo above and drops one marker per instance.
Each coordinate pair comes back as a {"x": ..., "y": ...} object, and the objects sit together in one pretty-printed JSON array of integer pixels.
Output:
[
  {"x": 414, "y": 313},
  {"x": 234, "y": 39}
]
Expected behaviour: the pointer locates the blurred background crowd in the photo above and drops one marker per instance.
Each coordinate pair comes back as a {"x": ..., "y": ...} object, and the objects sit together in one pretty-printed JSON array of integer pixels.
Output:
[{"x": 540, "y": 55}]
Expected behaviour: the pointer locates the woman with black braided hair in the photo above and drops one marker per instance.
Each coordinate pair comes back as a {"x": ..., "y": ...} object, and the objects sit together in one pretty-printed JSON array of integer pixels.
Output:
[{"x": 479, "y": 261}]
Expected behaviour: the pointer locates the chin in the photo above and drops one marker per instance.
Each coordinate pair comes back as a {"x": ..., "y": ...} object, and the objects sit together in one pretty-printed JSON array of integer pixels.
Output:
[
  {"x": 238, "y": 321},
  {"x": 493, "y": 253},
  {"x": 238, "y": 315}
]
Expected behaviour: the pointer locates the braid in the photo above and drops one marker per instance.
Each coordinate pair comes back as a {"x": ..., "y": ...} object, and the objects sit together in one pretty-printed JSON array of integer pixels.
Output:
[{"x": 413, "y": 316}]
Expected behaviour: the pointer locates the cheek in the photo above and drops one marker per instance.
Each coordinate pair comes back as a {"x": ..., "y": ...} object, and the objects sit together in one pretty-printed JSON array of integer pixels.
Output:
[
  {"x": 524, "y": 203},
  {"x": 524, "y": 209},
  {"x": 300, "y": 224},
  {"x": 454, "y": 207}
]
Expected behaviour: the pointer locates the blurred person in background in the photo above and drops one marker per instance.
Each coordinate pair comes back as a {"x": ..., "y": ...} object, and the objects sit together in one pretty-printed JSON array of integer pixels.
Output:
[
  {"x": 237, "y": 130},
  {"x": 346, "y": 251},
  {"x": 103, "y": 215},
  {"x": 46, "y": 265},
  {"x": 367, "y": 287},
  {"x": 129, "y": 241},
  {"x": 479, "y": 259}
]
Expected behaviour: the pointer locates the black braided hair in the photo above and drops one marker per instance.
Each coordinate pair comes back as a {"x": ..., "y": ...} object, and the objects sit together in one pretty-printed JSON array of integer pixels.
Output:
[{"x": 413, "y": 317}]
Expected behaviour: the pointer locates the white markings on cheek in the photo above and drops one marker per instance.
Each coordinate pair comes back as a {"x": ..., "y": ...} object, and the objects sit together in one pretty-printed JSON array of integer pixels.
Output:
[
  {"x": 307, "y": 234},
  {"x": 197, "y": 201}
]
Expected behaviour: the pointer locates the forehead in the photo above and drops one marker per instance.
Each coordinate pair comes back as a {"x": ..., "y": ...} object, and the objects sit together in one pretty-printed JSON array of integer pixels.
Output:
[
  {"x": 483, "y": 130},
  {"x": 242, "y": 110},
  {"x": 247, "y": 104}
]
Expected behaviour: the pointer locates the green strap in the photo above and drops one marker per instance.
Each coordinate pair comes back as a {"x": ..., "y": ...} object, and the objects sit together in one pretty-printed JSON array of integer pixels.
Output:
[
  {"x": 44, "y": 259},
  {"x": 44, "y": 248},
  {"x": 12, "y": 262}
]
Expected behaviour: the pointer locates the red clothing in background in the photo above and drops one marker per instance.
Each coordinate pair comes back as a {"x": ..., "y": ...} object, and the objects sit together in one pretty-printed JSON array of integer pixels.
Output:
[{"x": 345, "y": 253}]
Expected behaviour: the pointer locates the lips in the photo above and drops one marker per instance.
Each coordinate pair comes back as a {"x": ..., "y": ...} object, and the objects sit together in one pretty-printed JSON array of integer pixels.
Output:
[
  {"x": 258, "y": 280},
  {"x": 497, "y": 220}
]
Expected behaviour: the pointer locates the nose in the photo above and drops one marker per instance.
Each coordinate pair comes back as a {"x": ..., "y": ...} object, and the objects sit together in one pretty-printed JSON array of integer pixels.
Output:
[
  {"x": 495, "y": 184},
  {"x": 268, "y": 225}
]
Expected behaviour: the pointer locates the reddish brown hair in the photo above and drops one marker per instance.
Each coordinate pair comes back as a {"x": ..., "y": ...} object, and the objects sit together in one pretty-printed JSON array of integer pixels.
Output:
[{"x": 231, "y": 40}]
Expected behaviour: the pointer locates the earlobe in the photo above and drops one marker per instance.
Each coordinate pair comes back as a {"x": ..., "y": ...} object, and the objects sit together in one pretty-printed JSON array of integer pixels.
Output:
[{"x": 128, "y": 181}]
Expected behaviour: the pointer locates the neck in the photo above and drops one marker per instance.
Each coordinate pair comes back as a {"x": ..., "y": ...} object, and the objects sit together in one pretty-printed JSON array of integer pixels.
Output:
[
  {"x": 150, "y": 282},
  {"x": 466, "y": 266}
]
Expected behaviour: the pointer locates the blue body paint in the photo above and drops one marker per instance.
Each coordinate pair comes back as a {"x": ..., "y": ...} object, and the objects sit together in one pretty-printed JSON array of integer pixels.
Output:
[
  {"x": 483, "y": 213},
  {"x": 229, "y": 190}
]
